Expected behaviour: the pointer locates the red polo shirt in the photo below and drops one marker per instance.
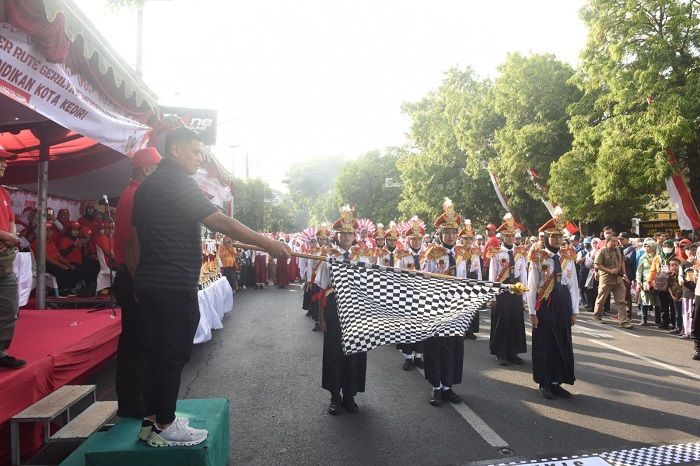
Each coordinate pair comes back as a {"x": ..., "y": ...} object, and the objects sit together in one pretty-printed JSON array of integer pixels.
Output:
[
  {"x": 74, "y": 257},
  {"x": 124, "y": 229},
  {"x": 51, "y": 249},
  {"x": 6, "y": 214}
]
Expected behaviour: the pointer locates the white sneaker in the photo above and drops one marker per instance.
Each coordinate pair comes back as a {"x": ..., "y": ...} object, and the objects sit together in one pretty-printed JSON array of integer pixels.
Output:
[
  {"x": 147, "y": 426},
  {"x": 176, "y": 434}
]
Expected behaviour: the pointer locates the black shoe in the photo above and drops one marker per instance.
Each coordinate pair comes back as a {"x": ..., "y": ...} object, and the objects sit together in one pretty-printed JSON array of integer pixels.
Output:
[
  {"x": 308, "y": 313},
  {"x": 696, "y": 356},
  {"x": 436, "y": 397},
  {"x": 408, "y": 364},
  {"x": 349, "y": 404},
  {"x": 11, "y": 362},
  {"x": 546, "y": 391},
  {"x": 451, "y": 396},
  {"x": 515, "y": 359},
  {"x": 317, "y": 328},
  {"x": 560, "y": 391},
  {"x": 334, "y": 407},
  {"x": 469, "y": 336},
  {"x": 674, "y": 331},
  {"x": 501, "y": 361},
  {"x": 419, "y": 363},
  {"x": 645, "y": 324},
  {"x": 663, "y": 327}
]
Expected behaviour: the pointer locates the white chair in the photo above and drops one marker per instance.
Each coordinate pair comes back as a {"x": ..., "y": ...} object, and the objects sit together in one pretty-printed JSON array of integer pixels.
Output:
[{"x": 103, "y": 277}]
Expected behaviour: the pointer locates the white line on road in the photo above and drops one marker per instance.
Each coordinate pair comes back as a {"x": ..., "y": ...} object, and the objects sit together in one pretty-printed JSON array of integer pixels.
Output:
[
  {"x": 608, "y": 327},
  {"x": 644, "y": 358},
  {"x": 478, "y": 424}
]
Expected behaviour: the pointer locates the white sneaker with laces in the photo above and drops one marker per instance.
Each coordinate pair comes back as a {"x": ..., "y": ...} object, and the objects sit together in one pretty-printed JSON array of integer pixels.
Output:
[
  {"x": 147, "y": 426},
  {"x": 176, "y": 434}
]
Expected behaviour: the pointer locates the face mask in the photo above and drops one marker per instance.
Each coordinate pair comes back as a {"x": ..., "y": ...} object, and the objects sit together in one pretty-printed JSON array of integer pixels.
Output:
[{"x": 668, "y": 250}]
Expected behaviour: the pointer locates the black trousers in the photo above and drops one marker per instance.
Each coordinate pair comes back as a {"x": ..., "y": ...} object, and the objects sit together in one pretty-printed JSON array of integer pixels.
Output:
[
  {"x": 668, "y": 312},
  {"x": 170, "y": 320},
  {"x": 65, "y": 279},
  {"x": 230, "y": 274},
  {"x": 131, "y": 353}
]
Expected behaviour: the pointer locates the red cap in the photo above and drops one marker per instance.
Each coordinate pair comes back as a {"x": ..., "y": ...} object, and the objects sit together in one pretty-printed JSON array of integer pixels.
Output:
[
  {"x": 684, "y": 242},
  {"x": 74, "y": 225},
  {"x": 6, "y": 155},
  {"x": 85, "y": 231},
  {"x": 107, "y": 224},
  {"x": 145, "y": 157}
]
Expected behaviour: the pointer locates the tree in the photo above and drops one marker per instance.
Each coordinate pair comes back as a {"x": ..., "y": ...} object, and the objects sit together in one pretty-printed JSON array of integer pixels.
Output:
[
  {"x": 361, "y": 183},
  {"x": 438, "y": 167},
  {"x": 532, "y": 95},
  {"x": 639, "y": 75},
  {"x": 310, "y": 185},
  {"x": 251, "y": 203}
]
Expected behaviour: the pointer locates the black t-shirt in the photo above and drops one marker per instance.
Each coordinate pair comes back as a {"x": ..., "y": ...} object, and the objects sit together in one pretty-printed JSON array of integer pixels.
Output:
[{"x": 168, "y": 209}]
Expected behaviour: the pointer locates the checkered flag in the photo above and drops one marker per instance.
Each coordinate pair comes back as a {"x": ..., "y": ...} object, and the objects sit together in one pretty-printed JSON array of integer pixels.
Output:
[{"x": 382, "y": 305}]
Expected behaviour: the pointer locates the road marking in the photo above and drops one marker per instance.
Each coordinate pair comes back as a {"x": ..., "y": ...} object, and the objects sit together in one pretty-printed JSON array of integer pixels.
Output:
[
  {"x": 647, "y": 359},
  {"x": 478, "y": 424},
  {"x": 608, "y": 327}
]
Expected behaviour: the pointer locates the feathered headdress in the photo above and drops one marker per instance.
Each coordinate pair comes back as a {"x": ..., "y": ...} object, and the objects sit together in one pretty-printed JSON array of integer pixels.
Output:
[
  {"x": 347, "y": 222},
  {"x": 449, "y": 218}
]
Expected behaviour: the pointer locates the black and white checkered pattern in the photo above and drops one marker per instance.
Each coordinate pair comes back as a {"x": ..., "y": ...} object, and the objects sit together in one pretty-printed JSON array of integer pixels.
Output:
[
  {"x": 664, "y": 455},
  {"x": 686, "y": 453},
  {"x": 378, "y": 305}
]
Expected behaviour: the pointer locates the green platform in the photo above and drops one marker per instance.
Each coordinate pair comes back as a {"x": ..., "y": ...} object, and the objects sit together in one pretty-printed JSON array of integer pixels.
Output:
[{"x": 119, "y": 446}]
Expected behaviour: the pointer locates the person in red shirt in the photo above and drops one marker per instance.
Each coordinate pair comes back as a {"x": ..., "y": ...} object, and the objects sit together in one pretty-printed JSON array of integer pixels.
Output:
[
  {"x": 56, "y": 265},
  {"x": 71, "y": 249},
  {"x": 131, "y": 355},
  {"x": 9, "y": 305},
  {"x": 89, "y": 216}
]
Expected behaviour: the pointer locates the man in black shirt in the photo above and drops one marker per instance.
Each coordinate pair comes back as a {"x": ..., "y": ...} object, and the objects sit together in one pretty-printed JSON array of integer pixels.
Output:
[{"x": 169, "y": 208}]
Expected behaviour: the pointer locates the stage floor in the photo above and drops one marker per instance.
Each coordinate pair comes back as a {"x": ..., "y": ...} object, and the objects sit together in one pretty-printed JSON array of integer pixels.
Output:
[{"x": 60, "y": 347}]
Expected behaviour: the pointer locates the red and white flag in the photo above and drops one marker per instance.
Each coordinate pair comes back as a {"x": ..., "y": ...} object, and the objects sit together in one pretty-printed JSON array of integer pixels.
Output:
[{"x": 688, "y": 217}]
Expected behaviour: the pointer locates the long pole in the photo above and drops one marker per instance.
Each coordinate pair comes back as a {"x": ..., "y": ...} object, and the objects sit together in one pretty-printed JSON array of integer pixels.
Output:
[
  {"x": 42, "y": 192},
  {"x": 516, "y": 288}
]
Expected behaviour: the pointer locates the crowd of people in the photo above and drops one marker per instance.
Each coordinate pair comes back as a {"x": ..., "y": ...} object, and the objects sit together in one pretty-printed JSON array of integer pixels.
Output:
[
  {"x": 639, "y": 278},
  {"x": 72, "y": 246}
]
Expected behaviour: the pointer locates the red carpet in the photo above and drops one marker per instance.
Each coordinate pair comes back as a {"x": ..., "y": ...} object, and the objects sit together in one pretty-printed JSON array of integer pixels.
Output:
[{"x": 59, "y": 346}]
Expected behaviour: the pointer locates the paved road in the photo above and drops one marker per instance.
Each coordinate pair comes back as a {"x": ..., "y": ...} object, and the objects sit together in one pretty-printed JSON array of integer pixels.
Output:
[{"x": 634, "y": 388}]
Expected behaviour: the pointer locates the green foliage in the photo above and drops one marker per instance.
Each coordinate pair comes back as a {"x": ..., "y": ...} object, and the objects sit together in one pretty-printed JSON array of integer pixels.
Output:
[
  {"x": 361, "y": 183},
  {"x": 259, "y": 208},
  {"x": 439, "y": 168},
  {"x": 639, "y": 76},
  {"x": 311, "y": 185}
]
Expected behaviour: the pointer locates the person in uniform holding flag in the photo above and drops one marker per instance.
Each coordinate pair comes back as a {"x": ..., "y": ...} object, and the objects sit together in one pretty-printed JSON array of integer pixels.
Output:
[
  {"x": 341, "y": 373},
  {"x": 412, "y": 259},
  {"x": 553, "y": 305},
  {"x": 508, "y": 265},
  {"x": 443, "y": 356}
]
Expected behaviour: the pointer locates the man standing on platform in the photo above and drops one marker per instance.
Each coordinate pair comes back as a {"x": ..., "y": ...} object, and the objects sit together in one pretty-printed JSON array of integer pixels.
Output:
[
  {"x": 9, "y": 304},
  {"x": 131, "y": 355},
  {"x": 169, "y": 208}
]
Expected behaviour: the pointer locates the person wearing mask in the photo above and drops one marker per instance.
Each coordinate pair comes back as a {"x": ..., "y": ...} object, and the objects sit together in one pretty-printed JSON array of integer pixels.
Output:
[
  {"x": 648, "y": 298},
  {"x": 508, "y": 265},
  {"x": 342, "y": 375},
  {"x": 553, "y": 305},
  {"x": 629, "y": 254},
  {"x": 131, "y": 352},
  {"x": 444, "y": 356},
  {"x": 413, "y": 259},
  {"x": 688, "y": 279},
  {"x": 675, "y": 289},
  {"x": 583, "y": 271},
  {"x": 659, "y": 275},
  {"x": 611, "y": 272}
]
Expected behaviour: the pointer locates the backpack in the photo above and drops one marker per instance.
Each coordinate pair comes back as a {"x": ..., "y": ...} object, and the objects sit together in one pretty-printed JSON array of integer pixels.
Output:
[{"x": 661, "y": 279}]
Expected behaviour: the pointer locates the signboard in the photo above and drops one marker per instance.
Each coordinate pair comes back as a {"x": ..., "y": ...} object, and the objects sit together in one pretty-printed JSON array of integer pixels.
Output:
[
  {"x": 59, "y": 94},
  {"x": 200, "y": 120},
  {"x": 651, "y": 227}
]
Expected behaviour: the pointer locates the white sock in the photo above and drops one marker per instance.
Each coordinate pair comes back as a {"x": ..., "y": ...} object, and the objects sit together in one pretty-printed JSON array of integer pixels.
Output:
[
  {"x": 408, "y": 356},
  {"x": 438, "y": 388},
  {"x": 419, "y": 356},
  {"x": 444, "y": 388}
]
